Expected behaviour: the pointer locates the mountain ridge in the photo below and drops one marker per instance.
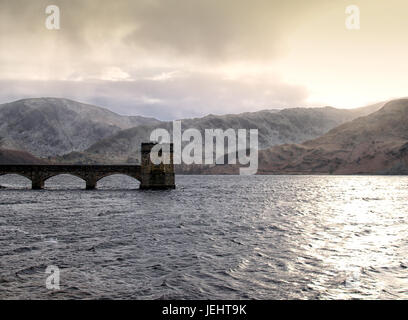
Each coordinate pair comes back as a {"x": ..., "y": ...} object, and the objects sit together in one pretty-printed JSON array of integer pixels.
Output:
[
  {"x": 18, "y": 157},
  {"x": 275, "y": 127},
  {"x": 377, "y": 143},
  {"x": 373, "y": 144},
  {"x": 52, "y": 126}
]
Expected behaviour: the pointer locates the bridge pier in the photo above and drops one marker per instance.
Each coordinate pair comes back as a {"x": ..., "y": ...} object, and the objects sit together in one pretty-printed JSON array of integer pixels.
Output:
[
  {"x": 37, "y": 184},
  {"x": 91, "y": 182},
  {"x": 37, "y": 181},
  {"x": 90, "y": 185}
]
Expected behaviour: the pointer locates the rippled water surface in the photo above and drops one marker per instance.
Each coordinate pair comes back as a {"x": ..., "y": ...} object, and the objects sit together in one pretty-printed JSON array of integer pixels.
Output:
[{"x": 214, "y": 237}]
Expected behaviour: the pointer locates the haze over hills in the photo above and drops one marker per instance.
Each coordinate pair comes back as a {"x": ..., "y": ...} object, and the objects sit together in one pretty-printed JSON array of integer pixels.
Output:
[
  {"x": 54, "y": 126},
  {"x": 298, "y": 140},
  {"x": 20, "y": 157},
  {"x": 293, "y": 125}
]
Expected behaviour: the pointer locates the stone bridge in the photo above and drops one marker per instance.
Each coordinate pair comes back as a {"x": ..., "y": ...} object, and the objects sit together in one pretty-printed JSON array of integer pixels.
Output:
[{"x": 151, "y": 176}]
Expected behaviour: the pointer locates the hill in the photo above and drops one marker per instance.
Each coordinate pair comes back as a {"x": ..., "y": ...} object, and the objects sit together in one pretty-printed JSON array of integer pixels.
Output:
[
  {"x": 54, "y": 126},
  {"x": 293, "y": 125},
  {"x": 18, "y": 157},
  {"x": 374, "y": 144}
]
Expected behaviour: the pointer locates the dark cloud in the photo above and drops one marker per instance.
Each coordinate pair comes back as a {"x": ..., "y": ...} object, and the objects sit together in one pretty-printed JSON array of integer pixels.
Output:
[
  {"x": 177, "y": 58},
  {"x": 202, "y": 29},
  {"x": 170, "y": 52}
]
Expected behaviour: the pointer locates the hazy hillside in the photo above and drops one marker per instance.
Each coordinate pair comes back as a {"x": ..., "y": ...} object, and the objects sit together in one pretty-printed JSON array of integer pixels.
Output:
[
  {"x": 51, "y": 126},
  {"x": 18, "y": 157},
  {"x": 275, "y": 127},
  {"x": 377, "y": 143}
]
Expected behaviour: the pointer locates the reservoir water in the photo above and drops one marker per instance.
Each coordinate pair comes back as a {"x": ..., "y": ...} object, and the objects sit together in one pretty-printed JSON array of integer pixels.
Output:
[{"x": 214, "y": 237}]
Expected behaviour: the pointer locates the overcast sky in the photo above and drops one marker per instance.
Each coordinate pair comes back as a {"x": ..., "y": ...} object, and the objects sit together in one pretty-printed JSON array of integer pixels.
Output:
[{"x": 184, "y": 58}]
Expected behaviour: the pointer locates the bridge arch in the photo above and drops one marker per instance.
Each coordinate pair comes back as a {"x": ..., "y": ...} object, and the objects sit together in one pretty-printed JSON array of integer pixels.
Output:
[
  {"x": 72, "y": 180},
  {"x": 107, "y": 180},
  {"x": 25, "y": 180}
]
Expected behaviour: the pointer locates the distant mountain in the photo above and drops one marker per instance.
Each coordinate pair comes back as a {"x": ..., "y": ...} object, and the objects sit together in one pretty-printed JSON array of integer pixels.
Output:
[
  {"x": 53, "y": 126},
  {"x": 293, "y": 125},
  {"x": 377, "y": 144},
  {"x": 18, "y": 157}
]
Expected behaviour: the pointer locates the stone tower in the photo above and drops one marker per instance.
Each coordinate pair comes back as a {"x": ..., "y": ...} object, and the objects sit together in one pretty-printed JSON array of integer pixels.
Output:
[{"x": 154, "y": 176}]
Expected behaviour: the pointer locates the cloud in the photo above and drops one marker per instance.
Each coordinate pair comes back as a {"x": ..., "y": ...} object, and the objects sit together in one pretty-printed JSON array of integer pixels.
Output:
[
  {"x": 128, "y": 33},
  {"x": 164, "y": 58},
  {"x": 209, "y": 28},
  {"x": 189, "y": 57},
  {"x": 187, "y": 95}
]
